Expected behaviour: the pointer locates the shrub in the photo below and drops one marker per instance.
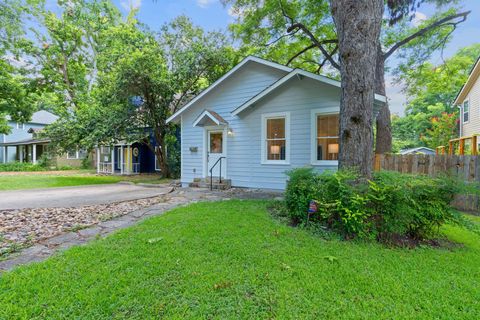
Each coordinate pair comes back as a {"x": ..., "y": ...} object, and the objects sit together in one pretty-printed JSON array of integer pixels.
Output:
[
  {"x": 389, "y": 206},
  {"x": 65, "y": 168},
  {"x": 20, "y": 166}
]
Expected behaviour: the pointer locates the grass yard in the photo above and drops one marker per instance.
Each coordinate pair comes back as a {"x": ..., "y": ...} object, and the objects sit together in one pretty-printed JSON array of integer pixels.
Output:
[
  {"x": 232, "y": 260},
  {"x": 75, "y": 178}
]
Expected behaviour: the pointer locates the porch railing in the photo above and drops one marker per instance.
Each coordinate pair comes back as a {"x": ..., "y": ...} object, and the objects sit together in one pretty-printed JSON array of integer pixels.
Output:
[
  {"x": 105, "y": 167},
  {"x": 133, "y": 168},
  {"x": 219, "y": 161}
]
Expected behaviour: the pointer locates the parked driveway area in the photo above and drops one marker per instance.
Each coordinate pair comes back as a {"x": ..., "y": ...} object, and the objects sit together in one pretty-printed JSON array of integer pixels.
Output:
[{"x": 77, "y": 196}]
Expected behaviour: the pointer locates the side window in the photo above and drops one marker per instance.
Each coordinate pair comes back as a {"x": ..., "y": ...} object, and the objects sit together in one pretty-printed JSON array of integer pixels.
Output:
[
  {"x": 466, "y": 111},
  {"x": 275, "y": 138}
]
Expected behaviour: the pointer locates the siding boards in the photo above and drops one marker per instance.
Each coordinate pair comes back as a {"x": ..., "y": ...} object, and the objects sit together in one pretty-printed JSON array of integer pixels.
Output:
[
  {"x": 244, "y": 166},
  {"x": 473, "y": 126}
]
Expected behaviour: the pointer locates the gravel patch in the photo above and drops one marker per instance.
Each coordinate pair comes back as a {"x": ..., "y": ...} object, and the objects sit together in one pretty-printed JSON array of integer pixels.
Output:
[{"x": 20, "y": 228}]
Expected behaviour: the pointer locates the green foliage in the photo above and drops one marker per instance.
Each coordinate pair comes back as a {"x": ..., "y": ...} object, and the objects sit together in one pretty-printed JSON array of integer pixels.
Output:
[
  {"x": 65, "y": 167},
  {"x": 21, "y": 166},
  {"x": 152, "y": 77},
  {"x": 443, "y": 129},
  {"x": 45, "y": 161},
  {"x": 431, "y": 91},
  {"x": 388, "y": 206},
  {"x": 230, "y": 259},
  {"x": 87, "y": 162}
]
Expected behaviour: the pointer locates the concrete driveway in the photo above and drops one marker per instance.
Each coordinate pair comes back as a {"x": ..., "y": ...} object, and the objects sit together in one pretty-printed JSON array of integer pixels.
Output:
[{"x": 77, "y": 196}]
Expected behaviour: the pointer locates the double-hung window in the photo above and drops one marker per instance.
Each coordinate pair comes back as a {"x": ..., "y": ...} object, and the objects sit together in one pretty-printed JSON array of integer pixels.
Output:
[
  {"x": 77, "y": 154},
  {"x": 466, "y": 111},
  {"x": 325, "y": 138},
  {"x": 275, "y": 138}
]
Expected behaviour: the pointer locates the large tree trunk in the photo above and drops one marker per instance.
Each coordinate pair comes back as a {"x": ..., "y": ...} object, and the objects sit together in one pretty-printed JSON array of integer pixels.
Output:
[
  {"x": 384, "y": 126},
  {"x": 358, "y": 24}
]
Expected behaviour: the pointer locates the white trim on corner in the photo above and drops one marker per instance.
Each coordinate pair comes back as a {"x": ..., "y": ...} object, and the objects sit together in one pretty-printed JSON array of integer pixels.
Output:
[
  {"x": 313, "y": 136},
  {"x": 263, "y": 148},
  {"x": 225, "y": 76}
]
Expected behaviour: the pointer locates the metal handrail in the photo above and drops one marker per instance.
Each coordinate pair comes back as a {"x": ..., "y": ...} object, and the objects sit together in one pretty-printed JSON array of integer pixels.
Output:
[{"x": 220, "y": 172}]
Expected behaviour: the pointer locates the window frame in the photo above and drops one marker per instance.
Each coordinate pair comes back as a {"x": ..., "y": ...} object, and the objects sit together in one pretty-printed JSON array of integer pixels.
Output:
[
  {"x": 263, "y": 141},
  {"x": 313, "y": 135},
  {"x": 463, "y": 111},
  {"x": 77, "y": 155},
  {"x": 20, "y": 126}
]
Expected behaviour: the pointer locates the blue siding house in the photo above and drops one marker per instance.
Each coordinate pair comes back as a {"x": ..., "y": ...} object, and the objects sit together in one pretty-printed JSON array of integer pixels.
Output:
[
  {"x": 21, "y": 144},
  {"x": 258, "y": 121}
]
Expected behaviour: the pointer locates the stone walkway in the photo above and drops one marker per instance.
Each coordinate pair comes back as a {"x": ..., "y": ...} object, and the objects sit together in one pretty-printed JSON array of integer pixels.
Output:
[{"x": 44, "y": 249}]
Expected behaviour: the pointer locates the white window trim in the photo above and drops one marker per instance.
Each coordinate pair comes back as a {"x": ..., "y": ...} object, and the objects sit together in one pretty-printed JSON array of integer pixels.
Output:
[
  {"x": 74, "y": 157},
  {"x": 77, "y": 156},
  {"x": 21, "y": 126},
  {"x": 263, "y": 140},
  {"x": 313, "y": 136},
  {"x": 463, "y": 111}
]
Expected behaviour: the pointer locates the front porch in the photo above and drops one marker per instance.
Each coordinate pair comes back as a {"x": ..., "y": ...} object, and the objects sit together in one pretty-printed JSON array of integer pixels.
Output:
[
  {"x": 29, "y": 150},
  {"x": 125, "y": 159}
]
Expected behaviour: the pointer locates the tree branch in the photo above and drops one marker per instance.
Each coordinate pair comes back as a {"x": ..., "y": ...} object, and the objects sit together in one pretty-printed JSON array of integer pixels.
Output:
[
  {"x": 315, "y": 41},
  {"x": 295, "y": 26},
  {"x": 311, "y": 47},
  {"x": 440, "y": 23}
]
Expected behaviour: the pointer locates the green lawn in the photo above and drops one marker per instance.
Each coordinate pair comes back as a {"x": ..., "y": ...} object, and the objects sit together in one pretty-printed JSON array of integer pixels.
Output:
[
  {"x": 31, "y": 180},
  {"x": 232, "y": 260}
]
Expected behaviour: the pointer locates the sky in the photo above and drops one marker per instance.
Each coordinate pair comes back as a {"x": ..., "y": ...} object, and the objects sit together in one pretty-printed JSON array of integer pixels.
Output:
[{"x": 212, "y": 15}]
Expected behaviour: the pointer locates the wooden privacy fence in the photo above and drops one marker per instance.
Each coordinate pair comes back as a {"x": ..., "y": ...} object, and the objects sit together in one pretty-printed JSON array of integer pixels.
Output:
[{"x": 466, "y": 168}]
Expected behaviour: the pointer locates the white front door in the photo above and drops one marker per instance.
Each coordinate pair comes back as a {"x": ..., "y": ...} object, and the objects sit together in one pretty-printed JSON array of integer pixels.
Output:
[{"x": 215, "y": 151}]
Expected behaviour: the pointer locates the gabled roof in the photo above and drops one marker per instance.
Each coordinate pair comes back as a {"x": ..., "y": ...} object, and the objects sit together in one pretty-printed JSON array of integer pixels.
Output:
[
  {"x": 25, "y": 142},
  {"x": 207, "y": 115},
  {"x": 41, "y": 117},
  {"x": 224, "y": 77},
  {"x": 295, "y": 73},
  {"x": 472, "y": 78}
]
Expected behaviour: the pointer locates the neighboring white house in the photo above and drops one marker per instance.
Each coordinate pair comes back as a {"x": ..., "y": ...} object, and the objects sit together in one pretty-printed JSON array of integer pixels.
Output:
[
  {"x": 468, "y": 100},
  {"x": 258, "y": 121}
]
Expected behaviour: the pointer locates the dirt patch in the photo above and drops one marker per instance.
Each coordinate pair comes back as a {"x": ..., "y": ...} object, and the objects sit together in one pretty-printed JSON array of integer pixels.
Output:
[{"x": 23, "y": 227}]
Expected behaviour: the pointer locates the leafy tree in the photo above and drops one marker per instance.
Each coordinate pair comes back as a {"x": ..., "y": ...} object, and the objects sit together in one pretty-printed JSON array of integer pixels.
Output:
[
  {"x": 64, "y": 48},
  {"x": 431, "y": 91},
  {"x": 16, "y": 90},
  {"x": 142, "y": 80},
  {"x": 302, "y": 33},
  {"x": 442, "y": 129}
]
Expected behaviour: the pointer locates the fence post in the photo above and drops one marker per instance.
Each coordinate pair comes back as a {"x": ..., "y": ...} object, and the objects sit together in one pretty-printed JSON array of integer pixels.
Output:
[{"x": 474, "y": 145}]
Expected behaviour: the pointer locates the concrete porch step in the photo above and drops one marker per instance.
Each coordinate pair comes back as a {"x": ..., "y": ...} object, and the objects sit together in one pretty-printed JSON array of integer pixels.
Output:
[{"x": 216, "y": 184}]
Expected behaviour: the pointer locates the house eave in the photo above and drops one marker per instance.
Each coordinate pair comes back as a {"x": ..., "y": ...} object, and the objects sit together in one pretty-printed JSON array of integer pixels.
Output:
[
  {"x": 380, "y": 100},
  {"x": 176, "y": 115},
  {"x": 472, "y": 78}
]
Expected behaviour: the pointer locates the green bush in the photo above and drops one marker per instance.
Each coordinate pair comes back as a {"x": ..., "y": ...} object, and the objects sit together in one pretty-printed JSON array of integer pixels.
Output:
[
  {"x": 389, "y": 206},
  {"x": 65, "y": 168},
  {"x": 20, "y": 166}
]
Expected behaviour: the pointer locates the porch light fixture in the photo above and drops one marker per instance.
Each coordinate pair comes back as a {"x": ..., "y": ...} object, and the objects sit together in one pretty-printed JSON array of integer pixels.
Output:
[{"x": 230, "y": 132}]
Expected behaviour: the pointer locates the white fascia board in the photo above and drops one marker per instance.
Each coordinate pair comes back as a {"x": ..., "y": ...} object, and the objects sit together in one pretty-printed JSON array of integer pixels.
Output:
[
  {"x": 295, "y": 72},
  {"x": 225, "y": 76}
]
